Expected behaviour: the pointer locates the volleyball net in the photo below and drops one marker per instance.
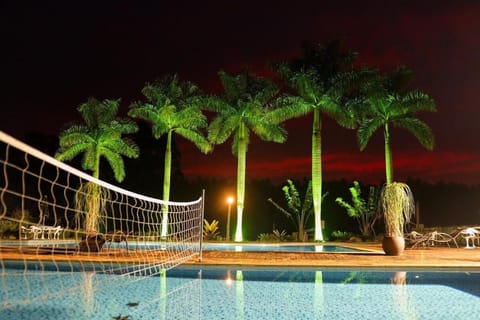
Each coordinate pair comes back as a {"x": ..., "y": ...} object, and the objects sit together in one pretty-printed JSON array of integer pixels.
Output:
[{"x": 56, "y": 219}]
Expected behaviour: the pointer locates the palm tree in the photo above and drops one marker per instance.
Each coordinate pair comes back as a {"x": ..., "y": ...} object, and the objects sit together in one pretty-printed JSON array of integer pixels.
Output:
[
  {"x": 314, "y": 78},
  {"x": 101, "y": 136},
  {"x": 249, "y": 104},
  {"x": 389, "y": 103},
  {"x": 172, "y": 107}
]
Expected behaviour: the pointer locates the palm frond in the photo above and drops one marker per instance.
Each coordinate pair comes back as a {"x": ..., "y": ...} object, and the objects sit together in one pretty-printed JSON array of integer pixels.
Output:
[
  {"x": 287, "y": 107},
  {"x": 415, "y": 101},
  {"x": 233, "y": 86},
  {"x": 419, "y": 129},
  {"x": 366, "y": 129},
  {"x": 196, "y": 138},
  {"x": 70, "y": 152},
  {"x": 268, "y": 131},
  {"x": 116, "y": 163},
  {"x": 146, "y": 112},
  {"x": 191, "y": 118},
  {"x": 216, "y": 104},
  {"x": 399, "y": 80},
  {"x": 74, "y": 135},
  {"x": 276, "y": 205},
  {"x": 222, "y": 127}
]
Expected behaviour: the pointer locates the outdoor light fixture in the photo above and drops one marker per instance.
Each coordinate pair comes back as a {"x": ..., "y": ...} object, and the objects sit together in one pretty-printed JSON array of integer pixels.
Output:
[{"x": 229, "y": 203}]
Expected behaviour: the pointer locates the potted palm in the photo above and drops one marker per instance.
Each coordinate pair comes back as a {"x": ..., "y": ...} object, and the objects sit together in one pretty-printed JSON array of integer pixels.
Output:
[{"x": 398, "y": 206}]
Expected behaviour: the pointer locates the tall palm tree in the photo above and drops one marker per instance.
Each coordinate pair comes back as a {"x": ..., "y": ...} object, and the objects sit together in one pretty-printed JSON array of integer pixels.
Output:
[
  {"x": 172, "y": 107},
  {"x": 389, "y": 103},
  {"x": 100, "y": 136},
  {"x": 314, "y": 77},
  {"x": 250, "y": 104}
]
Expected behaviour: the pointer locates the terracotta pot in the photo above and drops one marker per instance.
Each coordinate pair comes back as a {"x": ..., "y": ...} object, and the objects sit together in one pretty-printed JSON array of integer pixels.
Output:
[
  {"x": 92, "y": 243},
  {"x": 393, "y": 246}
]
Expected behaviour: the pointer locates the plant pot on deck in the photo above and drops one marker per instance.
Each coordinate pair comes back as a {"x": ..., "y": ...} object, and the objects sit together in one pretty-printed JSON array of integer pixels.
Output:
[
  {"x": 397, "y": 206},
  {"x": 92, "y": 243},
  {"x": 393, "y": 246}
]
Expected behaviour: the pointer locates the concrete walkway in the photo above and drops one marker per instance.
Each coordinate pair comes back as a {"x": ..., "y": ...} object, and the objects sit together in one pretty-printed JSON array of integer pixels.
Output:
[{"x": 431, "y": 257}]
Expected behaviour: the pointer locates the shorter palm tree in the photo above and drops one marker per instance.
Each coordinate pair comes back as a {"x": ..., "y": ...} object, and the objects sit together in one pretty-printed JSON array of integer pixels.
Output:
[
  {"x": 172, "y": 107},
  {"x": 100, "y": 136},
  {"x": 387, "y": 103}
]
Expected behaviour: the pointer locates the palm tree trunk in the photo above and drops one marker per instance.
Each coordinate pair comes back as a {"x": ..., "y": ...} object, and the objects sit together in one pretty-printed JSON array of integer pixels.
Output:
[
  {"x": 241, "y": 166},
  {"x": 388, "y": 155},
  {"x": 317, "y": 173},
  {"x": 93, "y": 207},
  {"x": 301, "y": 230},
  {"x": 166, "y": 183}
]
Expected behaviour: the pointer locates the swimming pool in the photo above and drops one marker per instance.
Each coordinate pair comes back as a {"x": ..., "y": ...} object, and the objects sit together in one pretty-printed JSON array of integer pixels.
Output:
[
  {"x": 250, "y": 247},
  {"x": 208, "y": 246},
  {"x": 276, "y": 247},
  {"x": 246, "y": 293}
]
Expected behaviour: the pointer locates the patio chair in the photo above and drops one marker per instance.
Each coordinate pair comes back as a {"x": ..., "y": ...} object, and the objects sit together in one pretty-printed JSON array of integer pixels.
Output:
[
  {"x": 432, "y": 238},
  {"x": 118, "y": 236},
  {"x": 25, "y": 232},
  {"x": 412, "y": 237},
  {"x": 54, "y": 232},
  {"x": 468, "y": 234},
  {"x": 36, "y": 230}
]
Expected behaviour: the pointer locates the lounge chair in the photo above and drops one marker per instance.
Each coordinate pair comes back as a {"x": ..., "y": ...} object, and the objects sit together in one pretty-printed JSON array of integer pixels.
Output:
[
  {"x": 118, "y": 236},
  {"x": 432, "y": 238},
  {"x": 412, "y": 237}
]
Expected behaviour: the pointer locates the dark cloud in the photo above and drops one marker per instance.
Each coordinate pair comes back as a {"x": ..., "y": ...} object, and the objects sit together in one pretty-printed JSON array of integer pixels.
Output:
[{"x": 55, "y": 54}]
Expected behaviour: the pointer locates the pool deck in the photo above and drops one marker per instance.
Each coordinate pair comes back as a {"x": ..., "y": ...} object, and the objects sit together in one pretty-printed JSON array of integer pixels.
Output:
[{"x": 430, "y": 257}]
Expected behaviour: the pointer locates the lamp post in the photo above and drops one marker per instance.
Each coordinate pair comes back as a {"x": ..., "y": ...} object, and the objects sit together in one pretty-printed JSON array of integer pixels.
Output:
[{"x": 229, "y": 203}]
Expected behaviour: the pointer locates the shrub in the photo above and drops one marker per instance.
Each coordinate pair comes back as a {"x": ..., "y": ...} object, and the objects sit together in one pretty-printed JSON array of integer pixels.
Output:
[
  {"x": 210, "y": 230},
  {"x": 279, "y": 235},
  {"x": 9, "y": 226},
  {"x": 340, "y": 235},
  {"x": 264, "y": 237}
]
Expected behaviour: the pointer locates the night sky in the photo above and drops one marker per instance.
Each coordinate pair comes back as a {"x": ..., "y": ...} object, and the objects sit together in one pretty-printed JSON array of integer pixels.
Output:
[{"x": 56, "y": 54}]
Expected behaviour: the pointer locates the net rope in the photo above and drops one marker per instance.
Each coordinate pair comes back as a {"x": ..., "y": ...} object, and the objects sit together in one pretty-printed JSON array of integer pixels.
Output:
[{"x": 57, "y": 223}]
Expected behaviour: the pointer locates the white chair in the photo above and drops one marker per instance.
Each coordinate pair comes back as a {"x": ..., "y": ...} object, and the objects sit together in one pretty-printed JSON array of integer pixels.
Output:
[
  {"x": 36, "y": 230},
  {"x": 470, "y": 234},
  {"x": 25, "y": 232},
  {"x": 54, "y": 232}
]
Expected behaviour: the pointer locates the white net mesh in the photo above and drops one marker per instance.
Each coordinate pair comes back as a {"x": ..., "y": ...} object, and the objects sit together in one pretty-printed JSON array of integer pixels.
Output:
[{"x": 46, "y": 208}]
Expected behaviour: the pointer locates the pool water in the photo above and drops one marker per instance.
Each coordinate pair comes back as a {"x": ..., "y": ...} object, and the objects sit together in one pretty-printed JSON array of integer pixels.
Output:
[
  {"x": 243, "y": 293},
  {"x": 250, "y": 247},
  {"x": 209, "y": 246},
  {"x": 276, "y": 247}
]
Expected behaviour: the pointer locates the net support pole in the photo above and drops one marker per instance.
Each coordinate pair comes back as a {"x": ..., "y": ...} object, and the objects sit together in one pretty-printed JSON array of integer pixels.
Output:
[{"x": 200, "y": 255}]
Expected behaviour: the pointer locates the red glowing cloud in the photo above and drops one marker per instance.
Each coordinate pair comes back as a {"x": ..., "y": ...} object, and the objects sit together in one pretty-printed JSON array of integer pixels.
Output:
[{"x": 366, "y": 167}]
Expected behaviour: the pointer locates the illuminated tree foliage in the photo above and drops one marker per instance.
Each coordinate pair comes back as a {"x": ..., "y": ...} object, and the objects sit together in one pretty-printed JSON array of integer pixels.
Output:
[
  {"x": 172, "y": 107},
  {"x": 314, "y": 76},
  {"x": 249, "y": 104},
  {"x": 388, "y": 103},
  {"x": 100, "y": 136}
]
